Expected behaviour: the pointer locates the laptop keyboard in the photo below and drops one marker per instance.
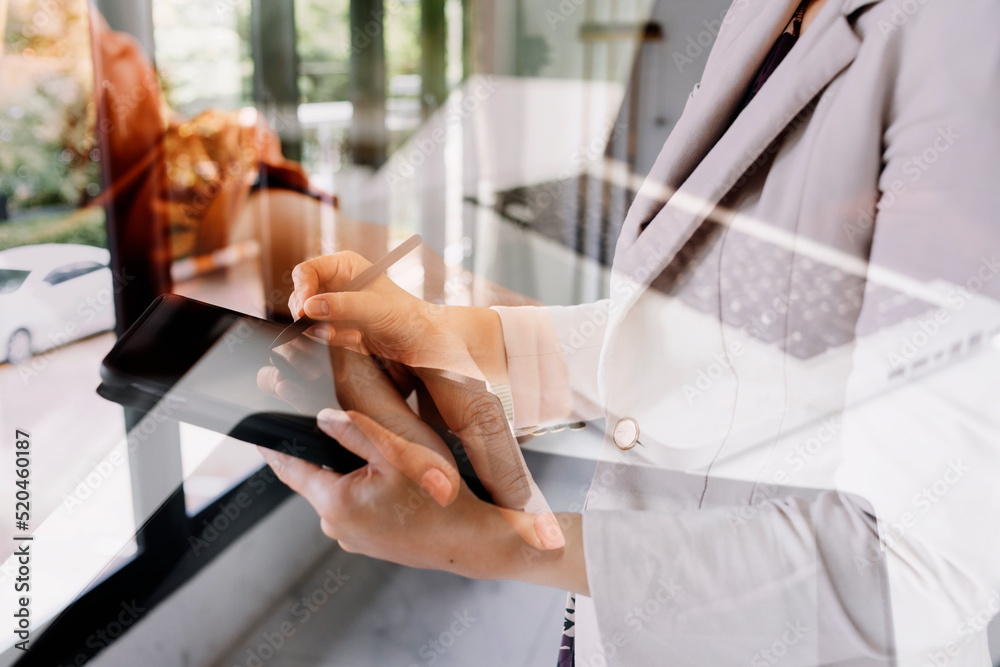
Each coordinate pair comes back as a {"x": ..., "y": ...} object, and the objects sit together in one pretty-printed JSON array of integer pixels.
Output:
[
  {"x": 824, "y": 303},
  {"x": 581, "y": 212}
]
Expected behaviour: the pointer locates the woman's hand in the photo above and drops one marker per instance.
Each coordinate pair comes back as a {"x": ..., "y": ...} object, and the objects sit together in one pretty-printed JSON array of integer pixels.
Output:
[
  {"x": 378, "y": 511},
  {"x": 361, "y": 385},
  {"x": 385, "y": 509},
  {"x": 415, "y": 449},
  {"x": 385, "y": 320}
]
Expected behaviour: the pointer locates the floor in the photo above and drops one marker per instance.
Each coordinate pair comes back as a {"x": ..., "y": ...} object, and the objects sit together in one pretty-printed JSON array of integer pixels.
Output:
[
  {"x": 366, "y": 612},
  {"x": 386, "y": 615}
]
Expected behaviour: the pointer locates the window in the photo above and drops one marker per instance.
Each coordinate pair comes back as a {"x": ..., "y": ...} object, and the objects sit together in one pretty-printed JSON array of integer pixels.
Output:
[
  {"x": 52, "y": 232},
  {"x": 70, "y": 271},
  {"x": 11, "y": 280},
  {"x": 342, "y": 85}
]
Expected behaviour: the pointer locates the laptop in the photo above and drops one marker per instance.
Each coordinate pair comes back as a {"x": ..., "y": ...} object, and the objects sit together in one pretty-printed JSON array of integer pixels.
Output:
[{"x": 884, "y": 326}]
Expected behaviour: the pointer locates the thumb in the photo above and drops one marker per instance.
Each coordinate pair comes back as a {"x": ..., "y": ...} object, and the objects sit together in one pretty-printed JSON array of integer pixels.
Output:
[
  {"x": 344, "y": 306},
  {"x": 539, "y": 530}
]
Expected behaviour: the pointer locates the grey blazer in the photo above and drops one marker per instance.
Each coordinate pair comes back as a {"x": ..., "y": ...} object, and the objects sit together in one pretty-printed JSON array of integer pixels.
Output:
[{"x": 722, "y": 536}]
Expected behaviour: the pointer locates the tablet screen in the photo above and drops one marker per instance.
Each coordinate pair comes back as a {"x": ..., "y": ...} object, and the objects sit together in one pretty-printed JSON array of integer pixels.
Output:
[{"x": 210, "y": 357}]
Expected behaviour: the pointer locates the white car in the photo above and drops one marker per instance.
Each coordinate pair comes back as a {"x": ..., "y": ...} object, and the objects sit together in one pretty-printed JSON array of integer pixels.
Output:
[{"x": 52, "y": 294}]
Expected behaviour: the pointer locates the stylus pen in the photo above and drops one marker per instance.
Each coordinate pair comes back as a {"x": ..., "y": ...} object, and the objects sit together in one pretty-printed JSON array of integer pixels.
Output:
[
  {"x": 382, "y": 265},
  {"x": 359, "y": 282}
]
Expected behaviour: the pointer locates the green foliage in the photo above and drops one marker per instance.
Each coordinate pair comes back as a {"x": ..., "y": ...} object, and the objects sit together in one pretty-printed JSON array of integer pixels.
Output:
[
  {"x": 44, "y": 158},
  {"x": 324, "y": 49},
  {"x": 202, "y": 54},
  {"x": 46, "y": 114},
  {"x": 402, "y": 38},
  {"x": 85, "y": 226},
  {"x": 188, "y": 29},
  {"x": 325, "y": 43}
]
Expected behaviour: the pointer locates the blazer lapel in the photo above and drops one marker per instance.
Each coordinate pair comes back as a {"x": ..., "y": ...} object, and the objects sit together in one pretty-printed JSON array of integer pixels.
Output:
[
  {"x": 828, "y": 47},
  {"x": 742, "y": 45}
]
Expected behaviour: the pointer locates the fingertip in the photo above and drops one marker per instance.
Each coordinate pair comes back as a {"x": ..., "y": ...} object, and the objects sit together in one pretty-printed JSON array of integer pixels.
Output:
[
  {"x": 317, "y": 307},
  {"x": 288, "y": 391},
  {"x": 439, "y": 486},
  {"x": 450, "y": 471},
  {"x": 332, "y": 421},
  {"x": 323, "y": 331},
  {"x": 275, "y": 460},
  {"x": 456, "y": 482},
  {"x": 523, "y": 526},
  {"x": 550, "y": 535},
  {"x": 268, "y": 378},
  {"x": 345, "y": 338}
]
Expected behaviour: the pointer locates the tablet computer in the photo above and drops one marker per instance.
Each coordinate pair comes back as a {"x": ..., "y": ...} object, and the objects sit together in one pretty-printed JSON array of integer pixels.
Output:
[{"x": 199, "y": 362}]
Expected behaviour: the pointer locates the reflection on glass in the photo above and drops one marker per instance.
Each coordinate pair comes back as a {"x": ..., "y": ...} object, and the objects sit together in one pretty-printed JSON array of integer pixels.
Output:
[{"x": 57, "y": 309}]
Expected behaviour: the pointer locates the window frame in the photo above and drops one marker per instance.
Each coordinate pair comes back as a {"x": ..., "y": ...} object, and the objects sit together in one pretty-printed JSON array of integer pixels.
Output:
[{"x": 172, "y": 546}]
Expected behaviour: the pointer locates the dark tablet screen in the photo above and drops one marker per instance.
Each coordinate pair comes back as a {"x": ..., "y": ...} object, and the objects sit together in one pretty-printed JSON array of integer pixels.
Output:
[{"x": 176, "y": 333}]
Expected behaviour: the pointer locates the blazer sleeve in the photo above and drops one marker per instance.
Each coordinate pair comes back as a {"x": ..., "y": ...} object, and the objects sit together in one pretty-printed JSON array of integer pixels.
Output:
[
  {"x": 714, "y": 587},
  {"x": 552, "y": 362}
]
